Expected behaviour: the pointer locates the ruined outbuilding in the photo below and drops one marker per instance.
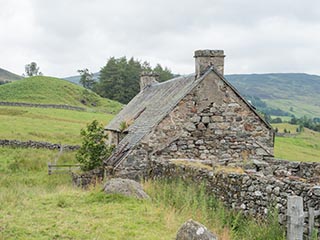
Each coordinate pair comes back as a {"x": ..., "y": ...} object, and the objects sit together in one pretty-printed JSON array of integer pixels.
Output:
[{"x": 200, "y": 116}]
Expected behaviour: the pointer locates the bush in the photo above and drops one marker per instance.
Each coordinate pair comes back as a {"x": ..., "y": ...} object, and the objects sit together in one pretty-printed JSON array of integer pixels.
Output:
[{"x": 93, "y": 149}]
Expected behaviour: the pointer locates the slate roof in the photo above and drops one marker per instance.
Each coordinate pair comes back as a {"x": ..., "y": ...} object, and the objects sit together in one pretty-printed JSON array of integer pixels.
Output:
[{"x": 149, "y": 107}]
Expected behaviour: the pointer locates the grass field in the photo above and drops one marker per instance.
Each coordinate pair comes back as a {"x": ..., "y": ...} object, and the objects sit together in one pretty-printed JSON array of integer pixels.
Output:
[
  {"x": 304, "y": 146},
  {"x": 37, "y": 206},
  {"x": 49, "y": 90},
  {"x": 40, "y": 124}
]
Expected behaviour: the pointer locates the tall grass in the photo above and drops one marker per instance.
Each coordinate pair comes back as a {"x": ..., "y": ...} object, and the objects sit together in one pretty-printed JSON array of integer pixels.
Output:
[{"x": 192, "y": 201}]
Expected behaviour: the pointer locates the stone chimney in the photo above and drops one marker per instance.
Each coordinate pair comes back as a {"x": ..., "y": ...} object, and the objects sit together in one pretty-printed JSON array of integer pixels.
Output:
[
  {"x": 147, "y": 79},
  {"x": 206, "y": 58}
]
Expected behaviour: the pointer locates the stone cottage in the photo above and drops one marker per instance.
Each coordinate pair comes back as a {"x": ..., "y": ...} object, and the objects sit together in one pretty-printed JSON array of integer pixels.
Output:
[{"x": 200, "y": 116}]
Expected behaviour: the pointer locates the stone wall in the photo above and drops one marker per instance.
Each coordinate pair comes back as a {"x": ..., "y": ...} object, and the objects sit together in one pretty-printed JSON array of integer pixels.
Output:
[
  {"x": 90, "y": 178},
  {"x": 59, "y": 106},
  {"x": 35, "y": 144},
  {"x": 211, "y": 123},
  {"x": 309, "y": 171},
  {"x": 251, "y": 192}
]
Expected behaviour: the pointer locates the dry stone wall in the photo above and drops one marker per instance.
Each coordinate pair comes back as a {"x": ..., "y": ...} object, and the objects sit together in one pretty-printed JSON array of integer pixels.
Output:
[
  {"x": 84, "y": 180},
  {"x": 35, "y": 144},
  {"x": 251, "y": 192},
  {"x": 59, "y": 106}
]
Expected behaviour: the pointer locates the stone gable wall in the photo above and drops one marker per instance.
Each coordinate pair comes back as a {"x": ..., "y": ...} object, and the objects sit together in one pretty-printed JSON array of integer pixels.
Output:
[{"x": 211, "y": 123}]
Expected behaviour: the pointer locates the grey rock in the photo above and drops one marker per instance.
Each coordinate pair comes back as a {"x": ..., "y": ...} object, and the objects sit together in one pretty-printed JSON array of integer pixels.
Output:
[
  {"x": 205, "y": 119},
  {"x": 125, "y": 187},
  {"x": 196, "y": 119},
  {"x": 192, "y": 230},
  {"x": 316, "y": 190},
  {"x": 190, "y": 127}
]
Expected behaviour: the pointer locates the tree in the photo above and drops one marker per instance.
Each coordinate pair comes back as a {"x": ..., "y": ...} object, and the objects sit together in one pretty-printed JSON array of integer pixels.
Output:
[
  {"x": 32, "y": 70},
  {"x": 86, "y": 78},
  {"x": 164, "y": 74},
  {"x": 93, "y": 149},
  {"x": 119, "y": 78}
]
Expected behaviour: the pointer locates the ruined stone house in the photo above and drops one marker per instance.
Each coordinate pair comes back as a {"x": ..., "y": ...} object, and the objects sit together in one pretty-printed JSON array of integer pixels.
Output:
[{"x": 200, "y": 116}]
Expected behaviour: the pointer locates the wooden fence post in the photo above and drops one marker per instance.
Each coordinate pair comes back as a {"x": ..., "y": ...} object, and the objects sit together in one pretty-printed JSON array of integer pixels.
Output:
[
  {"x": 295, "y": 218},
  {"x": 49, "y": 168}
]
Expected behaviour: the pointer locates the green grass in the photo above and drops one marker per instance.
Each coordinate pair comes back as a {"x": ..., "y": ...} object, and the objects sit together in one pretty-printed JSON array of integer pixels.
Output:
[
  {"x": 304, "y": 146},
  {"x": 37, "y": 206},
  {"x": 40, "y": 124},
  {"x": 301, "y": 107},
  {"x": 49, "y": 90}
]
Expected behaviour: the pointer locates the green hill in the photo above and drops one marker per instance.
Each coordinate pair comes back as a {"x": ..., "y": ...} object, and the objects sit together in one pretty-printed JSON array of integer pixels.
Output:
[
  {"x": 296, "y": 93},
  {"x": 49, "y": 90},
  {"x": 6, "y": 76},
  {"x": 304, "y": 146}
]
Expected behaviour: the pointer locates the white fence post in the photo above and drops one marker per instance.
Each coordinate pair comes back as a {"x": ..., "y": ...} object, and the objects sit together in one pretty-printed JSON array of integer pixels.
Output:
[{"x": 295, "y": 218}]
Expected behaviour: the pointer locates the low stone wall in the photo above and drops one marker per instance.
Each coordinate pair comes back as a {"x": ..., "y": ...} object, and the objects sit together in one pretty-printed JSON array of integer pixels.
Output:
[
  {"x": 84, "y": 180},
  {"x": 309, "y": 171},
  {"x": 251, "y": 192},
  {"x": 35, "y": 144},
  {"x": 21, "y": 104}
]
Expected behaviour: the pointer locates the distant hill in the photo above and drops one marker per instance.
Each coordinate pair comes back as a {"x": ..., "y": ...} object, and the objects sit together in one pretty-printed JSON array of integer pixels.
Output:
[
  {"x": 296, "y": 93},
  {"x": 76, "y": 79},
  {"x": 6, "y": 76},
  {"x": 49, "y": 90}
]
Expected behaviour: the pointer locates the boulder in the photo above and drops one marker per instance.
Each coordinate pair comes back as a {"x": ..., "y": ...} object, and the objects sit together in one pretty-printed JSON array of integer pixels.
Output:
[
  {"x": 192, "y": 230},
  {"x": 125, "y": 187}
]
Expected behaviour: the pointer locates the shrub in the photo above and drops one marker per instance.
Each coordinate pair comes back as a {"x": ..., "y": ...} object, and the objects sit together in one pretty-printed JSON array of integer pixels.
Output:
[{"x": 93, "y": 149}]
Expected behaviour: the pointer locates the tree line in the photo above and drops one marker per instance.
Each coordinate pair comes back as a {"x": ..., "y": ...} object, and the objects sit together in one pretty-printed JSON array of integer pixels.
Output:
[{"x": 119, "y": 78}]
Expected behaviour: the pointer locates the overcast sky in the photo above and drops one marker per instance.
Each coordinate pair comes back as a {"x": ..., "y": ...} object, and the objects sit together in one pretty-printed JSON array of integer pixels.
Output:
[{"x": 63, "y": 36}]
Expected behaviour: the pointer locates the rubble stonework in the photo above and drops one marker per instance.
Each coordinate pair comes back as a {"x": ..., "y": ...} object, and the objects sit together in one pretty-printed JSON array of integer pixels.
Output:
[
  {"x": 211, "y": 125},
  {"x": 200, "y": 116},
  {"x": 251, "y": 192}
]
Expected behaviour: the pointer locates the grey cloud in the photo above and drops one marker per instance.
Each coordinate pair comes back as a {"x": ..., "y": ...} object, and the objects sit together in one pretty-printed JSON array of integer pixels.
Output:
[{"x": 257, "y": 36}]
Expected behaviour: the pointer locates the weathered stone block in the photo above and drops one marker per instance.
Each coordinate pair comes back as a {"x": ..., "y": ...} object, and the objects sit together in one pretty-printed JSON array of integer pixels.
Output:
[
  {"x": 196, "y": 119},
  {"x": 205, "y": 119},
  {"x": 217, "y": 118},
  {"x": 201, "y": 126},
  {"x": 190, "y": 126}
]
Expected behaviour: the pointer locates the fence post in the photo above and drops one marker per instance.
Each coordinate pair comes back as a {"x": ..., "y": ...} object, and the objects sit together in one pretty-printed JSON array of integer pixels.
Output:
[
  {"x": 311, "y": 215},
  {"x": 49, "y": 168},
  {"x": 295, "y": 218}
]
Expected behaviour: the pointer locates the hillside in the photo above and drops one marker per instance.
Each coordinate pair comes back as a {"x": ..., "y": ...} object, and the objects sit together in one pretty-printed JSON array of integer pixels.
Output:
[
  {"x": 296, "y": 93},
  {"x": 49, "y": 90},
  {"x": 303, "y": 146},
  {"x": 76, "y": 79},
  {"x": 6, "y": 76}
]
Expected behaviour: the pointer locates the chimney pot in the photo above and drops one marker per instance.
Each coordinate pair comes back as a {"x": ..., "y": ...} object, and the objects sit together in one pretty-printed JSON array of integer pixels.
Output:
[
  {"x": 207, "y": 58},
  {"x": 147, "y": 79}
]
